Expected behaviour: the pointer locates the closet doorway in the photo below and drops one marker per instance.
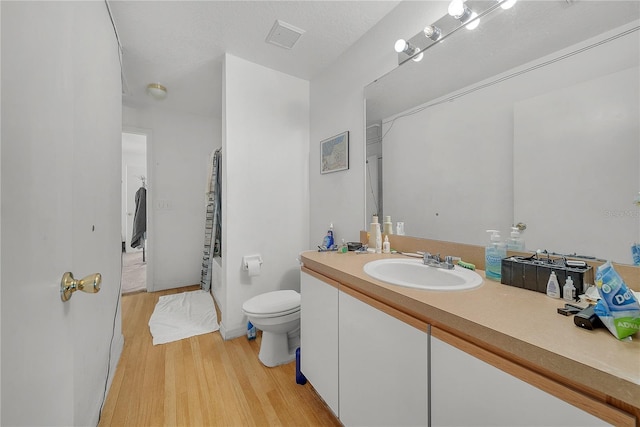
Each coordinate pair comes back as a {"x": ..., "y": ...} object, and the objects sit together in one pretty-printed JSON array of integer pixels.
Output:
[{"x": 134, "y": 212}]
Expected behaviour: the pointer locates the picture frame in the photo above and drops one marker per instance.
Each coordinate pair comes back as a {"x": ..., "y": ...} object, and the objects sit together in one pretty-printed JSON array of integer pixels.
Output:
[{"x": 334, "y": 153}]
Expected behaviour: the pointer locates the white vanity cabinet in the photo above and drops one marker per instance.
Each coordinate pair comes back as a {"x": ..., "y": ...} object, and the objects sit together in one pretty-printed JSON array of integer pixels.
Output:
[
  {"x": 380, "y": 357},
  {"x": 383, "y": 366},
  {"x": 466, "y": 391},
  {"x": 319, "y": 336}
]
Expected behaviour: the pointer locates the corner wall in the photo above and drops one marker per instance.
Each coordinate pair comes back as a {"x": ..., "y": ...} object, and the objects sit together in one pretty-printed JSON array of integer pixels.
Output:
[
  {"x": 337, "y": 105},
  {"x": 264, "y": 186}
]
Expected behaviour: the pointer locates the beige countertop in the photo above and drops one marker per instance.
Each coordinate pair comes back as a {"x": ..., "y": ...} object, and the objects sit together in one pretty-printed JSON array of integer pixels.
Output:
[{"x": 520, "y": 325}]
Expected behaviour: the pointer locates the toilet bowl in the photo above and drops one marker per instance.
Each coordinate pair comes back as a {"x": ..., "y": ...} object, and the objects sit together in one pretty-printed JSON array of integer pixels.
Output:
[{"x": 277, "y": 315}]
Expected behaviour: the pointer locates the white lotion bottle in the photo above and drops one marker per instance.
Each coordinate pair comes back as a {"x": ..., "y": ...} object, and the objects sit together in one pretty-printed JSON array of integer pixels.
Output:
[
  {"x": 373, "y": 233},
  {"x": 553, "y": 289},
  {"x": 388, "y": 225},
  {"x": 378, "y": 240}
]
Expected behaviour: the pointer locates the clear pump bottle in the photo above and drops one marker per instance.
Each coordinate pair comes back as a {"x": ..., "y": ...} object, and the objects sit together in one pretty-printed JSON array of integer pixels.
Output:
[
  {"x": 494, "y": 253},
  {"x": 515, "y": 242}
]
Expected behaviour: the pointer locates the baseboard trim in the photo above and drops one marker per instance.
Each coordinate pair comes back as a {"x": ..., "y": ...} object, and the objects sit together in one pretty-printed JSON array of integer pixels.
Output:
[{"x": 229, "y": 334}]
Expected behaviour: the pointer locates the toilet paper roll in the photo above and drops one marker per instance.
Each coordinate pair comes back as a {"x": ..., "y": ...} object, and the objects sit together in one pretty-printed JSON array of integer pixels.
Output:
[{"x": 254, "y": 267}]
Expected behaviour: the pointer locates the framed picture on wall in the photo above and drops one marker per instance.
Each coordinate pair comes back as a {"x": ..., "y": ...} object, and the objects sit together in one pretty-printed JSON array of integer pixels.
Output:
[{"x": 334, "y": 153}]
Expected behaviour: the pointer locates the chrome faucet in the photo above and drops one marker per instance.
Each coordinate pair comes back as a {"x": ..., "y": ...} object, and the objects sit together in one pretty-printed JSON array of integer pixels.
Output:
[{"x": 436, "y": 261}]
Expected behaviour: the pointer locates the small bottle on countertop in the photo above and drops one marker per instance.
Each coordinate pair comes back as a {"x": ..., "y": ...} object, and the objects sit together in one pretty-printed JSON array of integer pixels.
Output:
[
  {"x": 553, "y": 289},
  {"x": 328, "y": 240},
  {"x": 378, "y": 240},
  {"x": 386, "y": 246},
  {"x": 569, "y": 291},
  {"x": 372, "y": 232},
  {"x": 388, "y": 225}
]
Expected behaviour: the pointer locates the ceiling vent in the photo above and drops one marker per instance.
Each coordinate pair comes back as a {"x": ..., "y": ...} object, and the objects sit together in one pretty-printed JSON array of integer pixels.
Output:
[{"x": 284, "y": 35}]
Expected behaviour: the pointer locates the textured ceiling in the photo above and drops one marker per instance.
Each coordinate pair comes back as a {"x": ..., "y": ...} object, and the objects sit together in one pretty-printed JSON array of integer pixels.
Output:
[{"x": 181, "y": 43}]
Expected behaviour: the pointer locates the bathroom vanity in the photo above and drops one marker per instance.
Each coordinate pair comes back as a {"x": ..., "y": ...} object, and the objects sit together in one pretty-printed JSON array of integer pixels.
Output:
[{"x": 380, "y": 354}]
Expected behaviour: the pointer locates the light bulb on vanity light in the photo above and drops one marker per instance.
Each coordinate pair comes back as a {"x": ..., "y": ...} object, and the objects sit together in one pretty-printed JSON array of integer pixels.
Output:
[
  {"x": 432, "y": 32},
  {"x": 406, "y": 47},
  {"x": 401, "y": 46},
  {"x": 418, "y": 57},
  {"x": 456, "y": 8},
  {"x": 462, "y": 13},
  {"x": 475, "y": 22},
  {"x": 507, "y": 4}
]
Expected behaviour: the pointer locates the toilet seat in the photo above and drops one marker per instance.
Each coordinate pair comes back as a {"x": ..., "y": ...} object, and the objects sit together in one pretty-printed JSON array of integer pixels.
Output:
[
  {"x": 273, "y": 304},
  {"x": 269, "y": 315}
]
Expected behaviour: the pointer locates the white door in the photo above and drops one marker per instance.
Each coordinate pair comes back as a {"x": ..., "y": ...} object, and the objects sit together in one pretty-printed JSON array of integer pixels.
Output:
[{"x": 61, "y": 131}]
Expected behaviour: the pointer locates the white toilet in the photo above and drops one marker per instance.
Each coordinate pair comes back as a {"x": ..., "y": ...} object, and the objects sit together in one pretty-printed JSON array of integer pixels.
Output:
[{"x": 277, "y": 315}]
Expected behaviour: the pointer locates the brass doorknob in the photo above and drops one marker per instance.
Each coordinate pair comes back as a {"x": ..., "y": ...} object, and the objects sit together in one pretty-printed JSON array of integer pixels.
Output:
[{"x": 89, "y": 284}]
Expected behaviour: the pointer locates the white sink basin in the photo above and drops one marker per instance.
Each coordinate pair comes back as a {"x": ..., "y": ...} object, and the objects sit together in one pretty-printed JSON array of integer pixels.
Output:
[{"x": 413, "y": 273}]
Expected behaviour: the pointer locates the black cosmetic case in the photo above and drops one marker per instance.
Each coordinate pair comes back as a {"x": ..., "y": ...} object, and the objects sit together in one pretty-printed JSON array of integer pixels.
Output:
[{"x": 533, "y": 273}]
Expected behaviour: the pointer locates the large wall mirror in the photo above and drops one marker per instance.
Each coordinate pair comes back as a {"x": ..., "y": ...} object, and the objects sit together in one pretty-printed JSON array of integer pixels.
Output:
[{"x": 532, "y": 118}]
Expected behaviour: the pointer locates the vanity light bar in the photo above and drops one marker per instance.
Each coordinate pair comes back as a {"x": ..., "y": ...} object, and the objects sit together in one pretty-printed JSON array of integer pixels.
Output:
[{"x": 415, "y": 47}]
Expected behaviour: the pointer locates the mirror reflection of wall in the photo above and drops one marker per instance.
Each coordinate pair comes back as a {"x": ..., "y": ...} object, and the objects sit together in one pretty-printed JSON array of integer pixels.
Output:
[{"x": 500, "y": 155}]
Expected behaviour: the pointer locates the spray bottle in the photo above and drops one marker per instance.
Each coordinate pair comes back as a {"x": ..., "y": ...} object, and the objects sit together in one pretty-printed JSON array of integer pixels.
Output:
[{"x": 328, "y": 239}]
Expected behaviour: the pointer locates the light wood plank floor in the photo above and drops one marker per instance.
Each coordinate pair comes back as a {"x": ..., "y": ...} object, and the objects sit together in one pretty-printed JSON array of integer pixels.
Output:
[{"x": 202, "y": 381}]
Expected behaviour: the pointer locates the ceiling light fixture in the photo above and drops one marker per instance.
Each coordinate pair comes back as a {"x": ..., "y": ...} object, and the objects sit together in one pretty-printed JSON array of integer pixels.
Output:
[
  {"x": 157, "y": 91},
  {"x": 432, "y": 32},
  {"x": 459, "y": 10}
]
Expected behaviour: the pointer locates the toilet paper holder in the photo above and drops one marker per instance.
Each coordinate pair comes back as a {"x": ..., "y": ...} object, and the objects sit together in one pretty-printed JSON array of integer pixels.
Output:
[{"x": 250, "y": 259}]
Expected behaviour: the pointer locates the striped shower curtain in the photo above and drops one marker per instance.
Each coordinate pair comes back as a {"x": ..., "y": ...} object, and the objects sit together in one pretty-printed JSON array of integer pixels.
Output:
[{"x": 213, "y": 224}]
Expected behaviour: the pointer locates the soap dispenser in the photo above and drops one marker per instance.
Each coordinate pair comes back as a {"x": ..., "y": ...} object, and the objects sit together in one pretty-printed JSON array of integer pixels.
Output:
[
  {"x": 494, "y": 253},
  {"x": 515, "y": 242}
]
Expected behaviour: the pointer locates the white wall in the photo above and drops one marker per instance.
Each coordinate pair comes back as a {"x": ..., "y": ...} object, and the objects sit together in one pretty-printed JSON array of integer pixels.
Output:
[
  {"x": 337, "y": 104},
  {"x": 264, "y": 194},
  {"x": 0, "y": 223},
  {"x": 178, "y": 152}
]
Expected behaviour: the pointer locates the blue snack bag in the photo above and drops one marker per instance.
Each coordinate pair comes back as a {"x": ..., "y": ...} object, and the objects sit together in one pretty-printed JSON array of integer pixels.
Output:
[{"x": 618, "y": 307}]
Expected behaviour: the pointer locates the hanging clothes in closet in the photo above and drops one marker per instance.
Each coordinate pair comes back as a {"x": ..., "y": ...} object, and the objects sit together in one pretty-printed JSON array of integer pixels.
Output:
[{"x": 138, "y": 233}]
